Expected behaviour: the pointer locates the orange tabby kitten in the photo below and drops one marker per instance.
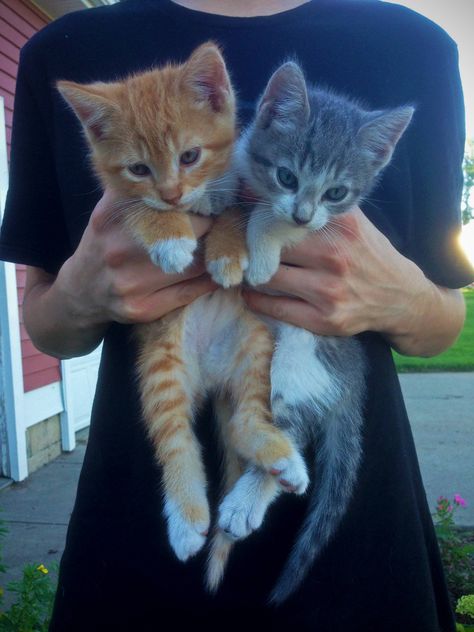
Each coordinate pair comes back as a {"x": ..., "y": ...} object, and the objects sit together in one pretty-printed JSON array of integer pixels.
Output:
[{"x": 164, "y": 139}]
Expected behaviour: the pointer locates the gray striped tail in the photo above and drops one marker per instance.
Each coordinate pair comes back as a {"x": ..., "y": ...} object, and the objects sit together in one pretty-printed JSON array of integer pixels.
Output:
[{"x": 337, "y": 459}]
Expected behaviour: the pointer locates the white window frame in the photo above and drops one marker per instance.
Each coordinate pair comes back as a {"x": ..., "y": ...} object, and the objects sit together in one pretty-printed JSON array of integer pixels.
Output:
[
  {"x": 12, "y": 418},
  {"x": 18, "y": 410}
]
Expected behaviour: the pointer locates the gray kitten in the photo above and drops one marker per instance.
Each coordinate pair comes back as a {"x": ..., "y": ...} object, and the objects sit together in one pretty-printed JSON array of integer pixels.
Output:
[{"x": 307, "y": 156}]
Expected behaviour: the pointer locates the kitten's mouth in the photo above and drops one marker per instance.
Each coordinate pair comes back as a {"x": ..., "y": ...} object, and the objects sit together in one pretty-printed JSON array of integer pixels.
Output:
[
  {"x": 181, "y": 207},
  {"x": 160, "y": 206}
]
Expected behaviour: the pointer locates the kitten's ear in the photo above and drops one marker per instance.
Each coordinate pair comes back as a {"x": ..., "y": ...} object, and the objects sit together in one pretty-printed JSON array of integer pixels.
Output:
[
  {"x": 381, "y": 133},
  {"x": 285, "y": 98},
  {"x": 205, "y": 75},
  {"x": 90, "y": 104}
]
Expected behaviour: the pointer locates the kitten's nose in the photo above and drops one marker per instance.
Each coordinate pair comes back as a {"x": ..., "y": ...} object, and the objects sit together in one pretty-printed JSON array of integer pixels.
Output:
[
  {"x": 303, "y": 212},
  {"x": 171, "y": 200},
  {"x": 171, "y": 196},
  {"x": 301, "y": 220}
]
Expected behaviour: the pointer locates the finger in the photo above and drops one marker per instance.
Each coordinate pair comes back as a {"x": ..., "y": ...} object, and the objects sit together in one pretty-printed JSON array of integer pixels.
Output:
[
  {"x": 201, "y": 225},
  {"x": 186, "y": 292},
  {"x": 178, "y": 295},
  {"x": 307, "y": 253},
  {"x": 166, "y": 280},
  {"x": 140, "y": 278},
  {"x": 289, "y": 310},
  {"x": 310, "y": 285}
]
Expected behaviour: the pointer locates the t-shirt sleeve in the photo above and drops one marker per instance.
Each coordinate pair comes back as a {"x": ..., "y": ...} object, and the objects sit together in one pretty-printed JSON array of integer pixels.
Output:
[
  {"x": 33, "y": 229},
  {"x": 436, "y": 154}
]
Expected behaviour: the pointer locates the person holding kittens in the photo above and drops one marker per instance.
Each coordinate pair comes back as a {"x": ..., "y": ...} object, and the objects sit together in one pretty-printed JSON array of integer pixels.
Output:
[{"x": 391, "y": 280}]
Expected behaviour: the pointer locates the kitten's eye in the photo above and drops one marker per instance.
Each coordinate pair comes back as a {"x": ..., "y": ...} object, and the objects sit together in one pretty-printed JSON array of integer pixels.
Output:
[
  {"x": 139, "y": 169},
  {"x": 287, "y": 178},
  {"x": 190, "y": 156},
  {"x": 336, "y": 194}
]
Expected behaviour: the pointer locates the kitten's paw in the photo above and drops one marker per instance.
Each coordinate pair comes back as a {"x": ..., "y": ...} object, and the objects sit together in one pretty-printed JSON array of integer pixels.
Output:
[
  {"x": 261, "y": 270},
  {"x": 226, "y": 271},
  {"x": 291, "y": 473},
  {"x": 186, "y": 536},
  {"x": 240, "y": 514},
  {"x": 173, "y": 255}
]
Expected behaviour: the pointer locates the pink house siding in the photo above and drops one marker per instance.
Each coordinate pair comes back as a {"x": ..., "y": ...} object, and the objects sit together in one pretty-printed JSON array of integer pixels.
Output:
[
  {"x": 19, "y": 20},
  {"x": 38, "y": 368}
]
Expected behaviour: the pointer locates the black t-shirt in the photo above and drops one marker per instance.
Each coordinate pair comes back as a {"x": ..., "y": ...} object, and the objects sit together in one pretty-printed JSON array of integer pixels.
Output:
[{"x": 382, "y": 569}]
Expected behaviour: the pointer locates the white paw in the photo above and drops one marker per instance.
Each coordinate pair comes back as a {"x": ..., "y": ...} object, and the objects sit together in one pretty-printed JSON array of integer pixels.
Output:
[
  {"x": 260, "y": 270},
  {"x": 173, "y": 255},
  {"x": 240, "y": 513},
  {"x": 186, "y": 537},
  {"x": 291, "y": 473},
  {"x": 226, "y": 272}
]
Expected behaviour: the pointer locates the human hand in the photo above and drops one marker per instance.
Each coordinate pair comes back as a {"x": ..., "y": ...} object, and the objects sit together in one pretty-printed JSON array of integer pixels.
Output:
[
  {"x": 111, "y": 278},
  {"x": 343, "y": 280}
]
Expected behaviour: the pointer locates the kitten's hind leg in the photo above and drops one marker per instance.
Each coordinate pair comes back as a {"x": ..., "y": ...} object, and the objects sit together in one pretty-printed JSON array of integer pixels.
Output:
[
  {"x": 221, "y": 544},
  {"x": 168, "y": 394},
  {"x": 243, "y": 509},
  {"x": 247, "y": 498},
  {"x": 252, "y": 434}
]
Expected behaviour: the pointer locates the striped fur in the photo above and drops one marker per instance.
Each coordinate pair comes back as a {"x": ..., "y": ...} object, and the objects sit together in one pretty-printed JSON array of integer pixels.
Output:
[
  {"x": 163, "y": 141},
  {"x": 308, "y": 155}
]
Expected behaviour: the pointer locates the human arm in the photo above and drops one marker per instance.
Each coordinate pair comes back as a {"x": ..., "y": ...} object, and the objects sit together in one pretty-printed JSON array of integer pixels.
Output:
[
  {"x": 356, "y": 281},
  {"x": 108, "y": 278}
]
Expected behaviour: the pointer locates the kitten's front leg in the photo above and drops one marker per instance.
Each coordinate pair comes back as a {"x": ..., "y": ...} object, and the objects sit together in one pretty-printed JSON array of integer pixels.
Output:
[
  {"x": 226, "y": 249},
  {"x": 251, "y": 432},
  {"x": 264, "y": 245},
  {"x": 169, "y": 389},
  {"x": 168, "y": 237}
]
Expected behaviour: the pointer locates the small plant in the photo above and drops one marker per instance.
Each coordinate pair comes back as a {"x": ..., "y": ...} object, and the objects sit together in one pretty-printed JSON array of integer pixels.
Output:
[
  {"x": 34, "y": 592},
  {"x": 457, "y": 552},
  {"x": 31, "y": 611},
  {"x": 465, "y": 607}
]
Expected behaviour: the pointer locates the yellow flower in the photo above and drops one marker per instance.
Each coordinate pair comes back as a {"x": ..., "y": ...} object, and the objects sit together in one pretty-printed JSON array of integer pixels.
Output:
[{"x": 42, "y": 568}]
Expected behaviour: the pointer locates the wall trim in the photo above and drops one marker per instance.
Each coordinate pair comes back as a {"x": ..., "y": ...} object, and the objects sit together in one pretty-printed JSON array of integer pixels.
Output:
[
  {"x": 12, "y": 417},
  {"x": 43, "y": 403}
]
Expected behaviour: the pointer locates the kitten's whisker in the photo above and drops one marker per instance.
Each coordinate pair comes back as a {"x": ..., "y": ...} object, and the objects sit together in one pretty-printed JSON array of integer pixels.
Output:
[
  {"x": 332, "y": 238},
  {"x": 335, "y": 224},
  {"x": 371, "y": 200},
  {"x": 98, "y": 189}
]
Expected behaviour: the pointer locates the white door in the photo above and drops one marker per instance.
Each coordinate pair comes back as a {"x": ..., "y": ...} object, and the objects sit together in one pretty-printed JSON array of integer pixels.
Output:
[{"x": 79, "y": 382}]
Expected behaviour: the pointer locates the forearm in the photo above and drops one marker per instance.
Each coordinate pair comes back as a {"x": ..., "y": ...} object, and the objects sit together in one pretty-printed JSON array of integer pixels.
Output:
[
  {"x": 432, "y": 321},
  {"x": 55, "y": 322},
  {"x": 110, "y": 278}
]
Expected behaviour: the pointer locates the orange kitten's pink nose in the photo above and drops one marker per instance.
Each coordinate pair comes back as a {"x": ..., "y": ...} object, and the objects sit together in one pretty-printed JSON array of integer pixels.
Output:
[{"x": 171, "y": 196}]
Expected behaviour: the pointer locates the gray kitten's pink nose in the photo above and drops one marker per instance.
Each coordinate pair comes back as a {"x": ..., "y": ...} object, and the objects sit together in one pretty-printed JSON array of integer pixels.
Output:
[{"x": 301, "y": 220}]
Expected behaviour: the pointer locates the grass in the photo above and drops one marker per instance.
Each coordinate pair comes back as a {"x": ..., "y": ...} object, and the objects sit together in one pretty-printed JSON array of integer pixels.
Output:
[{"x": 459, "y": 358}]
